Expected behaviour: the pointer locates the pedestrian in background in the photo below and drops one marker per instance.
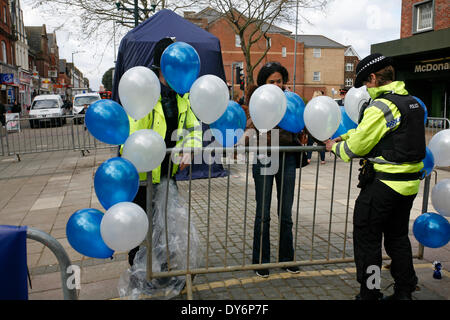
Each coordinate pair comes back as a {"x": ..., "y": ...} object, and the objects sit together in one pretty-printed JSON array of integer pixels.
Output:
[
  {"x": 171, "y": 112},
  {"x": 391, "y": 139},
  {"x": 2, "y": 114},
  {"x": 274, "y": 73}
]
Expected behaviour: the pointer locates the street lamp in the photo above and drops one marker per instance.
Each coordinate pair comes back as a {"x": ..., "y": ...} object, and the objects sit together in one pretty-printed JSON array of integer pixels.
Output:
[
  {"x": 295, "y": 48},
  {"x": 135, "y": 10},
  {"x": 73, "y": 69}
]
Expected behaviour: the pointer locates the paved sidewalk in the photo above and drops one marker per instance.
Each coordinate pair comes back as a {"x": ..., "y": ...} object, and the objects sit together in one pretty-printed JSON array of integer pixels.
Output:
[{"x": 43, "y": 190}]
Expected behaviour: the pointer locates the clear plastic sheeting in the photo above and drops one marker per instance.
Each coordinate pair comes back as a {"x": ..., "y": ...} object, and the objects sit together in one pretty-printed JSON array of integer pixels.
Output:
[{"x": 133, "y": 282}]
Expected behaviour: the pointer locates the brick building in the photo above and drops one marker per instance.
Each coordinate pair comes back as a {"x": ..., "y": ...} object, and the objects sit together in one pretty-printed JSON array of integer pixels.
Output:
[
  {"x": 21, "y": 54},
  {"x": 53, "y": 54},
  {"x": 323, "y": 65},
  {"x": 351, "y": 60},
  {"x": 313, "y": 73},
  {"x": 9, "y": 78},
  {"x": 38, "y": 43},
  {"x": 422, "y": 54},
  {"x": 282, "y": 48},
  {"x": 64, "y": 81}
]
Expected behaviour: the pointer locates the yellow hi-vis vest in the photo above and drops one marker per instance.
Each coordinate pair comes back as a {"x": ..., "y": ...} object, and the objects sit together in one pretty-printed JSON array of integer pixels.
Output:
[
  {"x": 156, "y": 121},
  {"x": 380, "y": 117}
]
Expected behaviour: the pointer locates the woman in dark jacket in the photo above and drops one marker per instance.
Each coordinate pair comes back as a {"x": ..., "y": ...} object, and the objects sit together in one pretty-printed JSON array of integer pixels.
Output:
[{"x": 274, "y": 73}]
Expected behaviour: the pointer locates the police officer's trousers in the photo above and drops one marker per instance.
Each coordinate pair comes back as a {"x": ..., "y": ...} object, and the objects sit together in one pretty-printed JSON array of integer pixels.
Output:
[{"x": 379, "y": 210}]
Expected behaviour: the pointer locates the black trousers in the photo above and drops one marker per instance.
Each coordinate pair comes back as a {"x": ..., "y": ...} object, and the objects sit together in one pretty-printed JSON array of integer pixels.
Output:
[
  {"x": 379, "y": 210},
  {"x": 141, "y": 200}
]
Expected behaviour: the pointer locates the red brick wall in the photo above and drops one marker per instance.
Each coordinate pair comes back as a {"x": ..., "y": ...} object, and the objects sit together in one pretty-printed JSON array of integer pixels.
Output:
[
  {"x": 230, "y": 53},
  {"x": 442, "y": 11},
  {"x": 441, "y": 16},
  {"x": 7, "y": 30},
  {"x": 350, "y": 74}
]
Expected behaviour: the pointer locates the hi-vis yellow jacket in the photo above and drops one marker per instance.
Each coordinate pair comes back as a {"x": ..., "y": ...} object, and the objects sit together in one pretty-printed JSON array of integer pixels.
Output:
[
  {"x": 380, "y": 117},
  {"x": 189, "y": 131}
]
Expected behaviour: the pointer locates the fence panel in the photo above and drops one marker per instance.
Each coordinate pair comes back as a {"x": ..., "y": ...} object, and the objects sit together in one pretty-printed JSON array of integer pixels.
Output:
[
  {"x": 33, "y": 135},
  {"x": 322, "y": 234},
  {"x": 434, "y": 125}
]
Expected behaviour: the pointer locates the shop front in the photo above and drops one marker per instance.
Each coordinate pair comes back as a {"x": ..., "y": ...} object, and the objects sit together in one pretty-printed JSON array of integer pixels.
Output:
[
  {"x": 423, "y": 62},
  {"x": 25, "y": 89},
  {"x": 8, "y": 89}
]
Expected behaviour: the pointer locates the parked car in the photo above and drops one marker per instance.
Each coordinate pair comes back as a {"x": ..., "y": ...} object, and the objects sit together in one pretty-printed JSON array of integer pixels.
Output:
[
  {"x": 47, "y": 108},
  {"x": 82, "y": 101}
]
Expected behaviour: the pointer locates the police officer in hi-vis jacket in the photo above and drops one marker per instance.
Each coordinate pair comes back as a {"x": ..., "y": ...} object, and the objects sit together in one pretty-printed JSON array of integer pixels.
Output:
[{"x": 390, "y": 138}]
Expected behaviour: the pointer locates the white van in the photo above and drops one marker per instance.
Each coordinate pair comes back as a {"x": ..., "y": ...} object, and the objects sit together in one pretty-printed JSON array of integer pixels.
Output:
[
  {"x": 47, "y": 108},
  {"x": 82, "y": 101}
]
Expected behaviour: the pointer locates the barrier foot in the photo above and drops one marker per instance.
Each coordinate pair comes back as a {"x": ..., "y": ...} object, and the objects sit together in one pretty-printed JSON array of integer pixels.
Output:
[{"x": 189, "y": 286}]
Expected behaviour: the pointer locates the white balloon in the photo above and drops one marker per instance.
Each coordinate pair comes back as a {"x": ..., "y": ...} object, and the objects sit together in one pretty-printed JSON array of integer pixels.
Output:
[
  {"x": 322, "y": 117},
  {"x": 139, "y": 91},
  {"x": 440, "y": 197},
  {"x": 440, "y": 148},
  {"x": 209, "y": 98},
  {"x": 124, "y": 226},
  {"x": 267, "y": 106},
  {"x": 145, "y": 148},
  {"x": 353, "y": 101}
]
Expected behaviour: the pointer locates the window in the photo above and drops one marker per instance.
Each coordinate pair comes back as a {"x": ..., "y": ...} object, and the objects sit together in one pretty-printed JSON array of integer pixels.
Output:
[
  {"x": 283, "y": 52},
  {"x": 349, "y": 67},
  {"x": 269, "y": 42},
  {"x": 4, "y": 15},
  {"x": 317, "y": 52},
  {"x": 237, "y": 41},
  {"x": 423, "y": 16},
  {"x": 4, "y": 58},
  {"x": 316, "y": 76},
  {"x": 349, "y": 82}
]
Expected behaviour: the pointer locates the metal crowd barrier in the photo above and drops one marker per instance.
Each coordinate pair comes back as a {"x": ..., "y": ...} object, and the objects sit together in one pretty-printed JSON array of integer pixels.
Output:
[
  {"x": 434, "y": 125},
  {"x": 62, "y": 257},
  {"x": 34, "y": 135},
  {"x": 320, "y": 218}
]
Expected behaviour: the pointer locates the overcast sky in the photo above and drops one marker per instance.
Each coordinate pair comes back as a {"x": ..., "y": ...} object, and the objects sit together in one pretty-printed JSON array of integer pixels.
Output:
[{"x": 349, "y": 22}]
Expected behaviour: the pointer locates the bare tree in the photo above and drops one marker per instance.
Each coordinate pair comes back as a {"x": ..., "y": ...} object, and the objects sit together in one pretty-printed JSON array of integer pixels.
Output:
[
  {"x": 250, "y": 19},
  {"x": 98, "y": 14},
  {"x": 94, "y": 20},
  {"x": 253, "y": 19}
]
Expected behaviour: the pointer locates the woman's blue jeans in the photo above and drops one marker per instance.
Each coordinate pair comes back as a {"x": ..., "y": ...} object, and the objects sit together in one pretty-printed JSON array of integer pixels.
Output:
[{"x": 264, "y": 194}]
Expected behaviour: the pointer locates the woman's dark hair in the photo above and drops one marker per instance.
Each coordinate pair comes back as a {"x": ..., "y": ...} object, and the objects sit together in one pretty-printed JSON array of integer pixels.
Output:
[{"x": 268, "y": 69}]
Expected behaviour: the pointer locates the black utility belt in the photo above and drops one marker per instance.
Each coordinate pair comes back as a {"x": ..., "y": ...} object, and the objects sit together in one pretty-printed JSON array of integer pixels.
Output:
[{"x": 399, "y": 176}]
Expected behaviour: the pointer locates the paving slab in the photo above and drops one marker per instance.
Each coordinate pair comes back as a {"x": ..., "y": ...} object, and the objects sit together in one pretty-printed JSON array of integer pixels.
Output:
[{"x": 44, "y": 190}]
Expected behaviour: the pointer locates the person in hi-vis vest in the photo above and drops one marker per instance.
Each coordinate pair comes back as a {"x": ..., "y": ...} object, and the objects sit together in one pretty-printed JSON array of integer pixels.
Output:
[
  {"x": 390, "y": 138},
  {"x": 172, "y": 113}
]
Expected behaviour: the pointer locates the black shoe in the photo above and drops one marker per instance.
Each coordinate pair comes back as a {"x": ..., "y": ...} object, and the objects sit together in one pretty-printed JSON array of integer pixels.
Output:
[
  {"x": 263, "y": 273},
  {"x": 399, "y": 295},
  {"x": 294, "y": 269}
]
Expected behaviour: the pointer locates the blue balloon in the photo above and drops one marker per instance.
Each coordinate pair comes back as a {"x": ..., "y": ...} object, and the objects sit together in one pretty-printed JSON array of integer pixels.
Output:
[
  {"x": 83, "y": 234},
  {"x": 180, "y": 66},
  {"x": 349, "y": 124},
  {"x": 108, "y": 122},
  {"x": 293, "y": 118},
  {"x": 424, "y": 108},
  {"x": 116, "y": 180},
  {"x": 230, "y": 127},
  {"x": 432, "y": 230},
  {"x": 345, "y": 124},
  {"x": 428, "y": 162}
]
